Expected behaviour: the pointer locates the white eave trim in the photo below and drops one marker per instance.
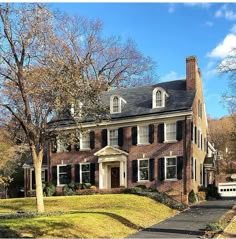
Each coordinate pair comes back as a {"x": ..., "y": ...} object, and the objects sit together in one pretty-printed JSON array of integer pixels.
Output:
[{"x": 129, "y": 121}]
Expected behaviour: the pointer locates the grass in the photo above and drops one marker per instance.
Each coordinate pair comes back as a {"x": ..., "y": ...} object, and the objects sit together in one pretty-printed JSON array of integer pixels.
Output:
[{"x": 93, "y": 216}]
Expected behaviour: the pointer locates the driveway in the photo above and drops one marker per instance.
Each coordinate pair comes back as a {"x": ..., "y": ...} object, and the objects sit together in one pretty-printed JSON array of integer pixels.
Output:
[{"x": 190, "y": 223}]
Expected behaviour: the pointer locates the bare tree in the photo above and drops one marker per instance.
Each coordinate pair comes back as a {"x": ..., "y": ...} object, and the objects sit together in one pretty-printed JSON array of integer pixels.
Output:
[{"x": 49, "y": 60}]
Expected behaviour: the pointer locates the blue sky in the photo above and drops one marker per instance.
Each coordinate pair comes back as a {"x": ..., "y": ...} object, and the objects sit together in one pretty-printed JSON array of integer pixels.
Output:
[{"x": 169, "y": 32}]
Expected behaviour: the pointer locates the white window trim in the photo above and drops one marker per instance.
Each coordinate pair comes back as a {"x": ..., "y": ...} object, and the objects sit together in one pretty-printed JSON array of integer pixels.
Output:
[
  {"x": 170, "y": 141},
  {"x": 193, "y": 133},
  {"x": 140, "y": 180},
  {"x": 138, "y": 135},
  {"x": 171, "y": 179},
  {"x": 201, "y": 176},
  {"x": 58, "y": 181},
  {"x": 163, "y": 97},
  {"x": 108, "y": 137},
  {"x": 194, "y": 169},
  {"x": 120, "y": 100},
  {"x": 81, "y": 142},
  {"x": 80, "y": 171}
]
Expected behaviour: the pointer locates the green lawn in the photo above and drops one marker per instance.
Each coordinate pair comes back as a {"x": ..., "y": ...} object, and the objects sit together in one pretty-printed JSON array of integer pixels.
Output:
[{"x": 92, "y": 216}]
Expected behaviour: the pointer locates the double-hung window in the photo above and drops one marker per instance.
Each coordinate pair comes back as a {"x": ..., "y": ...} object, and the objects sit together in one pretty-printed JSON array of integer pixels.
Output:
[
  {"x": 170, "y": 168},
  {"x": 113, "y": 137},
  {"x": 85, "y": 173},
  {"x": 143, "y": 169},
  {"x": 62, "y": 175},
  {"x": 85, "y": 140},
  {"x": 158, "y": 99},
  {"x": 170, "y": 131},
  {"x": 143, "y": 134}
]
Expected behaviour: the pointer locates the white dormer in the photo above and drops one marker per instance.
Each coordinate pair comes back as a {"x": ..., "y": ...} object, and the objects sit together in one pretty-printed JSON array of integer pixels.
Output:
[
  {"x": 158, "y": 97},
  {"x": 116, "y": 104}
]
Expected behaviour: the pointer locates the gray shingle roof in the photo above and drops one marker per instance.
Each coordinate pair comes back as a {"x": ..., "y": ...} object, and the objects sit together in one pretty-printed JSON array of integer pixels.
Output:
[{"x": 139, "y": 100}]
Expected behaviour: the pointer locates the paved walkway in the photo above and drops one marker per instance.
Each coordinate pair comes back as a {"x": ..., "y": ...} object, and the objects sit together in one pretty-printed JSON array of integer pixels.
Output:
[{"x": 190, "y": 223}]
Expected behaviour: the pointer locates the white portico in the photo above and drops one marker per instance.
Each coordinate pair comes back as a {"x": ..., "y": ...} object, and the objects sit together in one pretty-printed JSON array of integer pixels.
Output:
[{"x": 112, "y": 167}]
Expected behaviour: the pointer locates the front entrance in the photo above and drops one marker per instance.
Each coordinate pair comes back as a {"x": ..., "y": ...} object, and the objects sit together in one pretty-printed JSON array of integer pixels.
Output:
[{"x": 115, "y": 177}]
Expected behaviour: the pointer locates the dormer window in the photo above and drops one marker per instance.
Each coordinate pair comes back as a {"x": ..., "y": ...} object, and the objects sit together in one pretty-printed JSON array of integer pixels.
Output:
[
  {"x": 116, "y": 104},
  {"x": 158, "y": 97}
]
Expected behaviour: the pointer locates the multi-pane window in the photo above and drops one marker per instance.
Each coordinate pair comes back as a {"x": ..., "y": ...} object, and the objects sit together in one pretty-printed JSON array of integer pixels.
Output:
[
  {"x": 85, "y": 173},
  {"x": 85, "y": 140},
  {"x": 143, "y": 169},
  {"x": 170, "y": 129},
  {"x": 143, "y": 134},
  {"x": 115, "y": 105},
  {"x": 63, "y": 177},
  {"x": 171, "y": 168},
  {"x": 158, "y": 99},
  {"x": 201, "y": 173},
  {"x": 113, "y": 137}
]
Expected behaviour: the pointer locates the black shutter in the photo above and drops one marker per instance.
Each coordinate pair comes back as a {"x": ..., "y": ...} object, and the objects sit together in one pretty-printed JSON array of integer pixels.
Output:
[
  {"x": 179, "y": 167},
  {"x": 161, "y": 169},
  {"x": 195, "y": 169},
  {"x": 179, "y": 133},
  {"x": 201, "y": 141},
  {"x": 195, "y": 134},
  {"x": 104, "y": 137},
  {"x": 68, "y": 147},
  {"x": 192, "y": 176},
  {"x": 161, "y": 133},
  {"x": 92, "y": 173},
  {"x": 77, "y": 173},
  {"x": 46, "y": 175},
  {"x": 134, "y": 171},
  {"x": 192, "y": 129},
  {"x": 68, "y": 171},
  {"x": 92, "y": 139},
  {"x": 120, "y": 137},
  {"x": 151, "y": 169},
  {"x": 151, "y": 133},
  {"x": 33, "y": 180},
  {"x": 134, "y": 135},
  {"x": 54, "y": 175}
]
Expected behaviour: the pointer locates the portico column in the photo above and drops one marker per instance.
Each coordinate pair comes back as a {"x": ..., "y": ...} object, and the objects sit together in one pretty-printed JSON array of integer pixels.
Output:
[
  {"x": 101, "y": 176},
  {"x": 122, "y": 183}
]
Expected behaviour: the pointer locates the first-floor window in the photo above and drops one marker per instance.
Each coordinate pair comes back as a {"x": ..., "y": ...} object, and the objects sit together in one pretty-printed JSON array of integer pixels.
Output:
[
  {"x": 143, "y": 134},
  {"x": 170, "y": 129},
  {"x": 85, "y": 173},
  {"x": 63, "y": 175},
  {"x": 171, "y": 168},
  {"x": 143, "y": 169},
  {"x": 43, "y": 176},
  {"x": 194, "y": 163},
  {"x": 201, "y": 173}
]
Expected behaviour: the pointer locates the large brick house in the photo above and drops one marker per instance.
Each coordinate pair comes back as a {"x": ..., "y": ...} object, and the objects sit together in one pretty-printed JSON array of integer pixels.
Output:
[{"x": 157, "y": 136}]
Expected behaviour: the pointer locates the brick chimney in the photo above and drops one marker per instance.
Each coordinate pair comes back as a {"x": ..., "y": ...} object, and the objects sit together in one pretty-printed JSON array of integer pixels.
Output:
[{"x": 192, "y": 73}]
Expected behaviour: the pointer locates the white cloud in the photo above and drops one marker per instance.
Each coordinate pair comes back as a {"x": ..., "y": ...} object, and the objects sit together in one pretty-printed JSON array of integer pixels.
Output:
[
  {"x": 210, "y": 70},
  {"x": 209, "y": 24},
  {"x": 171, "y": 8},
  {"x": 233, "y": 29},
  {"x": 223, "y": 48},
  {"x": 198, "y": 4},
  {"x": 225, "y": 12},
  {"x": 171, "y": 76}
]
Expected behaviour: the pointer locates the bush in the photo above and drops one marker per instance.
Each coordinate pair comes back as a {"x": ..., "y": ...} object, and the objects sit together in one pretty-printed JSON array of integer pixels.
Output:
[
  {"x": 192, "y": 197},
  {"x": 141, "y": 186},
  {"x": 214, "y": 227},
  {"x": 157, "y": 196},
  {"x": 212, "y": 192},
  {"x": 49, "y": 189}
]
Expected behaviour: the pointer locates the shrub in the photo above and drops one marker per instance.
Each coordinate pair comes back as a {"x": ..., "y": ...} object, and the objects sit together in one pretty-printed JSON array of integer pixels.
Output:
[
  {"x": 157, "y": 196},
  {"x": 141, "y": 186},
  {"x": 214, "y": 227},
  {"x": 49, "y": 189},
  {"x": 192, "y": 197}
]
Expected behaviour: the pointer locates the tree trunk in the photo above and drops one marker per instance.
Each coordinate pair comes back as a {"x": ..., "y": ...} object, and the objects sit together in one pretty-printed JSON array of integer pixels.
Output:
[{"x": 37, "y": 159}]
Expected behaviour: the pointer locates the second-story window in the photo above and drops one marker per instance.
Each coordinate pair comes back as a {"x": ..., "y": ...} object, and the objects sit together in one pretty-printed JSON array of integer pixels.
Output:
[
  {"x": 143, "y": 134},
  {"x": 113, "y": 137},
  {"x": 170, "y": 131},
  {"x": 85, "y": 140}
]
